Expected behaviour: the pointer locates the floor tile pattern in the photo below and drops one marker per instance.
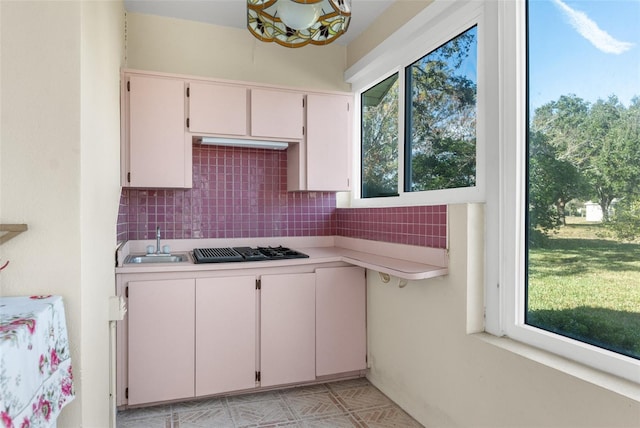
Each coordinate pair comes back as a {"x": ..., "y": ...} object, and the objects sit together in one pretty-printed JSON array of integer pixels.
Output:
[{"x": 346, "y": 404}]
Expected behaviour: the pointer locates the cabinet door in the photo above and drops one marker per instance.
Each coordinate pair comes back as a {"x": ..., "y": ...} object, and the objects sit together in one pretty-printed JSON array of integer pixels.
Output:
[
  {"x": 217, "y": 109},
  {"x": 340, "y": 320},
  {"x": 161, "y": 340},
  {"x": 287, "y": 329},
  {"x": 328, "y": 142},
  {"x": 159, "y": 155},
  {"x": 225, "y": 334},
  {"x": 277, "y": 114}
]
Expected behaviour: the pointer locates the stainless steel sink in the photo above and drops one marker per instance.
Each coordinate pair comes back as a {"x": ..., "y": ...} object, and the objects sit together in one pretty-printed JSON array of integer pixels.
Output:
[{"x": 157, "y": 258}]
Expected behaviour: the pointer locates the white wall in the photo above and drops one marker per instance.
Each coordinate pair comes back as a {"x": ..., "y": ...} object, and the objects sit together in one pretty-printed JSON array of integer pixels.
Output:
[
  {"x": 394, "y": 17},
  {"x": 423, "y": 358},
  {"x": 59, "y": 152},
  {"x": 41, "y": 158},
  {"x": 186, "y": 47},
  {"x": 101, "y": 56}
]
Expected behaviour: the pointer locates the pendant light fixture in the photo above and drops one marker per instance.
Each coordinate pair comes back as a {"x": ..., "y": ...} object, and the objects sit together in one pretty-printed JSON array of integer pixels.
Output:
[{"x": 296, "y": 23}]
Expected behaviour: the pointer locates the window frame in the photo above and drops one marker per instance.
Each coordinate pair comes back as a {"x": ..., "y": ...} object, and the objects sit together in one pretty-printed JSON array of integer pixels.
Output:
[
  {"x": 408, "y": 118},
  {"x": 500, "y": 131},
  {"x": 505, "y": 229},
  {"x": 446, "y": 21}
]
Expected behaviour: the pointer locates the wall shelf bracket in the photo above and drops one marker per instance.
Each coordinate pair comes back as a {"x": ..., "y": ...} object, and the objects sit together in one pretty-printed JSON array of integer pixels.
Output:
[
  {"x": 386, "y": 278},
  {"x": 11, "y": 231}
]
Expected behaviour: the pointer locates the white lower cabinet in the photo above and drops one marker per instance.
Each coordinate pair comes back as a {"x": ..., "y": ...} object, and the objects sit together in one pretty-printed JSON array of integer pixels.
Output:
[
  {"x": 161, "y": 340},
  {"x": 225, "y": 334},
  {"x": 287, "y": 329},
  {"x": 341, "y": 331},
  {"x": 193, "y": 337}
]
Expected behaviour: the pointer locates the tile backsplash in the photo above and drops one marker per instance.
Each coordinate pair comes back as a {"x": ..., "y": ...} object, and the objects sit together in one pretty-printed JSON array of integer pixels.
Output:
[
  {"x": 242, "y": 192},
  {"x": 425, "y": 226},
  {"x": 237, "y": 193}
]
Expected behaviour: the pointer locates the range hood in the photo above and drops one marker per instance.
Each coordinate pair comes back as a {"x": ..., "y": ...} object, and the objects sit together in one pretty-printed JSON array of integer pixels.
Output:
[{"x": 255, "y": 144}]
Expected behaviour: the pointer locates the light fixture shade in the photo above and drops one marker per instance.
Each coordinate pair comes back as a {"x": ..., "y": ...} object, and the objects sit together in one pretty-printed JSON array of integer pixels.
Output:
[
  {"x": 298, "y": 16},
  {"x": 265, "y": 21}
]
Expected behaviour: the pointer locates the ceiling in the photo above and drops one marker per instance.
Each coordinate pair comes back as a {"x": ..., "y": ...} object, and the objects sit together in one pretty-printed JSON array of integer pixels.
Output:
[{"x": 233, "y": 13}]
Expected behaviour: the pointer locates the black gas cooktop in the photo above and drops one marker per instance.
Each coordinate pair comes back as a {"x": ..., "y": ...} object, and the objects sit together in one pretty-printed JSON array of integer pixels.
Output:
[{"x": 244, "y": 254}]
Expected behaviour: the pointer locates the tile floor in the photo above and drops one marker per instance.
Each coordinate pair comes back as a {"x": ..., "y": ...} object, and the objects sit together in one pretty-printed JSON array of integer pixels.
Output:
[{"x": 350, "y": 403}]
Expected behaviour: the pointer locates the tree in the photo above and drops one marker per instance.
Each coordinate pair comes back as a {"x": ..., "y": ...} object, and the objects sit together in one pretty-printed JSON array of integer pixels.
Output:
[
  {"x": 601, "y": 153},
  {"x": 626, "y": 137},
  {"x": 555, "y": 156},
  {"x": 552, "y": 183},
  {"x": 441, "y": 118},
  {"x": 599, "y": 141},
  {"x": 451, "y": 164},
  {"x": 380, "y": 139},
  {"x": 563, "y": 124},
  {"x": 626, "y": 221}
]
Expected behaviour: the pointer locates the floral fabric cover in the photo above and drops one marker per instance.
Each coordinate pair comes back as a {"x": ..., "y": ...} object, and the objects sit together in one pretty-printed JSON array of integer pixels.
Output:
[{"x": 36, "y": 379}]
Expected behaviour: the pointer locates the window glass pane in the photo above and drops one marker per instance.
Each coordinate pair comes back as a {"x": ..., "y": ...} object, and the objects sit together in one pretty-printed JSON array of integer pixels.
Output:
[
  {"x": 441, "y": 117},
  {"x": 380, "y": 139},
  {"x": 583, "y": 224}
]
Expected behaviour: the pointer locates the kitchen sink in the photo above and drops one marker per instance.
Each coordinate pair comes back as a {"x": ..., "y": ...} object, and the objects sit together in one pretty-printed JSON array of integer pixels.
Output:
[{"x": 157, "y": 258}]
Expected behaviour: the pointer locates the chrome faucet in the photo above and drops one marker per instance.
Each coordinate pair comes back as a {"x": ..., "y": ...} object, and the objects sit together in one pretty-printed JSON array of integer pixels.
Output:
[{"x": 158, "y": 250}]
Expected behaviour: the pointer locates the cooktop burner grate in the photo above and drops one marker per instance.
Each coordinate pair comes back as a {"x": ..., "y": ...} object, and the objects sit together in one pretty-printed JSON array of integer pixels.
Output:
[
  {"x": 281, "y": 253},
  {"x": 250, "y": 254},
  {"x": 241, "y": 254},
  {"x": 216, "y": 255}
]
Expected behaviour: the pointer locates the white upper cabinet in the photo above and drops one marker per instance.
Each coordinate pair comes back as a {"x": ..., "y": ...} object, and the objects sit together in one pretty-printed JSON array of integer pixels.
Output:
[
  {"x": 162, "y": 114},
  {"x": 328, "y": 142},
  {"x": 218, "y": 109},
  {"x": 277, "y": 114},
  {"x": 323, "y": 162},
  {"x": 242, "y": 111},
  {"x": 156, "y": 150}
]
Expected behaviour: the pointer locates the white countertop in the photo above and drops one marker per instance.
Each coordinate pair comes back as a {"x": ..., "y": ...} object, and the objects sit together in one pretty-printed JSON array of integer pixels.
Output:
[{"x": 406, "y": 262}]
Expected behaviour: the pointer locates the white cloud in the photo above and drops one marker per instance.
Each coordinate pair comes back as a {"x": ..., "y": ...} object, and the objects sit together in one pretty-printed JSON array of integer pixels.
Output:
[{"x": 588, "y": 29}]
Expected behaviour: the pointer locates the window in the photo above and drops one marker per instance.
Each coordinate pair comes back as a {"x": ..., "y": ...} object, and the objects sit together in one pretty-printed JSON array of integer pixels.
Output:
[
  {"x": 569, "y": 136},
  {"x": 583, "y": 198},
  {"x": 380, "y": 139},
  {"x": 418, "y": 125},
  {"x": 441, "y": 117},
  {"x": 502, "y": 154}
]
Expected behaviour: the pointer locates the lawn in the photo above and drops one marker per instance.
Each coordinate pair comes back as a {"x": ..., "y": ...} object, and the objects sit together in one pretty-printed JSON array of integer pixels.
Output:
[{"x": 585, "y": 285}]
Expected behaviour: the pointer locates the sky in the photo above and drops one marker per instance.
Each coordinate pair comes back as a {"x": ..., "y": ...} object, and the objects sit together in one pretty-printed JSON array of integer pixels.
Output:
[{"x": 590, "y": 48}]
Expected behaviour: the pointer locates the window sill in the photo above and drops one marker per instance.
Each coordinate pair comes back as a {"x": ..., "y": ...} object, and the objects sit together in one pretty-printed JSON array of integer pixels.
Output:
[{"x": 588, "y": 374}]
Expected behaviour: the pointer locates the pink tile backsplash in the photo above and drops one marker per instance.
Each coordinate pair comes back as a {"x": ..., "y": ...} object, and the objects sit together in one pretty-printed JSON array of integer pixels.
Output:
[
  {"x": 241, "y": 192},
  {"x": 425, "y": 226},
  {"x": 237, "y": 192}
]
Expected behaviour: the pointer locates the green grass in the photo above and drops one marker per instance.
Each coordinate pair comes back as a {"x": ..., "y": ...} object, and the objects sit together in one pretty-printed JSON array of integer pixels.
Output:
[{"x": 585, "y": 285}]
